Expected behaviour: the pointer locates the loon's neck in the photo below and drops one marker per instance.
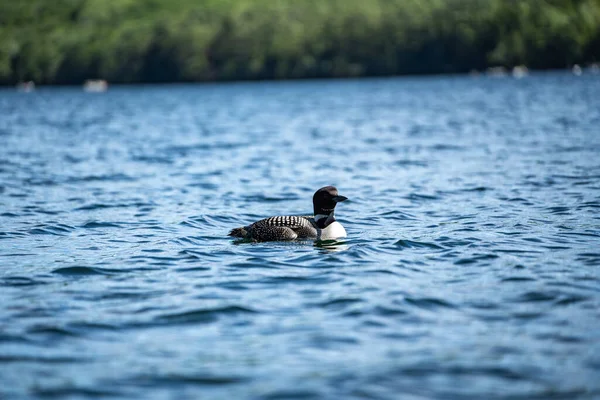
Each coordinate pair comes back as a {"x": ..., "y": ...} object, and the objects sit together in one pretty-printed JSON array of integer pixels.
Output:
[{"x": 323, "y": 220}]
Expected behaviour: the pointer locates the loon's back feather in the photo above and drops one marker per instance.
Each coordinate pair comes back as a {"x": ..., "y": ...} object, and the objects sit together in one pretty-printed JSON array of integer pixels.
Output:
[
  {"x": 291, "y": 221},
  {"x": 282, "y": 227}
]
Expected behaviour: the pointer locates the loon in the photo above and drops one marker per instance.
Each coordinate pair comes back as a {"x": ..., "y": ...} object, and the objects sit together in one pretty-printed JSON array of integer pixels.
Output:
[{"x": 321, "y": 226}]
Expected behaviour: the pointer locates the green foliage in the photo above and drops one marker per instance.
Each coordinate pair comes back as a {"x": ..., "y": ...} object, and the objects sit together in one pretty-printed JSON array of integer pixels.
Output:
[{"x": 68, "y": 41}]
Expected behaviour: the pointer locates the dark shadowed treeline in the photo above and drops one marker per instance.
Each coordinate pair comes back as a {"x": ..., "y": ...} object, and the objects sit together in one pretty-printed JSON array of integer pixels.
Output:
[{"x": 68, "y": 41}]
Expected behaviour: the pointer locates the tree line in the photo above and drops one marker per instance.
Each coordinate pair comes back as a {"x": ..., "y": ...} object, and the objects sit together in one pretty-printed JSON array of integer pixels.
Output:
[{"x": 128, "y": 41}]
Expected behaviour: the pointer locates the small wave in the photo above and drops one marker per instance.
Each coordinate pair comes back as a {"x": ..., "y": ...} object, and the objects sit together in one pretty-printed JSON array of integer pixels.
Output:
[
  {"x": 411, "y": 163},
  {"x": 571, "y": 299},
  {"x": 419, "y": 197},
  {"x": 51, "y": 330},
  {"x": 200, "y": 147},
  {"x": 204, "y": 185},
  {"x": 190, "y": 224},
  {"x": 45, "y": 359},
  {"x": 40, "y": 210},
  {"x": 518, "y": 279},
  {"x": 428, "y": 302},
  {"x": 522, "y": 252},
  {"x": 306, "y": 280},
  {"x": 269, "y": 198},
  {"x": 79, "y": 271},
  {"x": 291, "y": 394},
  {"x": 589, "y": 204},
  {"x": 14, "y": 338},
  {"x": 453, "y": 242},
  {"x": 161, "y": 260},
  {"x": 381, "y": 271},
  {"x": 129, "y": 295},
  {"x": 6, "y": 235},
  {"x": 100, "y": 224},
  {"x": 21, "y": 281},
  {"x": 198, "y": 379},
  {"x": 41, "y": 182},
  {"x": 592, "y": 259},
  {"x": 57, "y": 230},
  {"x": 100, "y": 178},
  {"x": 585, "y": 234},
  {"x": 412, "y": 244},
  {"x": 387, "y": 310},
  {"x": 447, "y": 147},
  {"x": 576, "y": 177},
  {"x": 100, "y": 206},
  {"x": 557, "y": 337},
  {"x": 518, "y": 200},
  {"x": 477, "y": 189},
  {"x": 475, "y": 259},
  {"x": 398, "y": 215},
  {"x": 203, "y": 315},
  {"x": 536, "y": 296},
  {"x": 204, "y": 221},
  {"x": 96, "y": 206},
  {"x": 339, "y": 303},
  {"x": 198, "y": 254},
  {"x": 75, "y": 392},
  {"x": 86, "y": 326},
  {"x": 559, "y": 210},
  {"x": 153, "y": 159}
]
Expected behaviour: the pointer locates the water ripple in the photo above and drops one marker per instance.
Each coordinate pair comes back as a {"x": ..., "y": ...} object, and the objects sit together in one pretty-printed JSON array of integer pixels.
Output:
[
  {"x": 470, "y": 270},
  {"x": 203, "y": 315},
  {"x": 80, "y": 270}
]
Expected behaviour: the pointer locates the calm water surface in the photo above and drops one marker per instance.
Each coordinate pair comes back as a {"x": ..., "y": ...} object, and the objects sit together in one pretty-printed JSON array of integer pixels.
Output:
[{"x": 471, "y": 268}]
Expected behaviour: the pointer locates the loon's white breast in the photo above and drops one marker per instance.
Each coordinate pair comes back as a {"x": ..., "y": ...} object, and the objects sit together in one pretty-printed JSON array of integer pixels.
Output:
[{"x": 335, "y": 230}]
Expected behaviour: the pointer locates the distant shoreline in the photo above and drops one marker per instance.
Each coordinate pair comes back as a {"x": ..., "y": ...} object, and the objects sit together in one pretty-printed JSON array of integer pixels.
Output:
[{"x": 481, "y": 75}]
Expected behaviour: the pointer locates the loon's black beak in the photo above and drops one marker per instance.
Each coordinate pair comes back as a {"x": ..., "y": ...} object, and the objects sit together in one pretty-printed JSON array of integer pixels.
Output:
[{"x": 339, "y": 199}]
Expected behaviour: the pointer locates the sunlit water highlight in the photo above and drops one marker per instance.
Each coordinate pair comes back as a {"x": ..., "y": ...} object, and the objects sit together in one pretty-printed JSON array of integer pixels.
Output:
[{"x": 471, "y": 267}]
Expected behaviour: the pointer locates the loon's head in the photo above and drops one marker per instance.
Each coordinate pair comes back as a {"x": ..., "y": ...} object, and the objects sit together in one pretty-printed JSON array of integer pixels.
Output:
[{"x": 324, "y": 202}]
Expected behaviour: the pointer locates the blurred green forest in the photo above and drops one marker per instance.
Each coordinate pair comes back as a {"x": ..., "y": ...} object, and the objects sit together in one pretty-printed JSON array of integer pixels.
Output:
[{"x": 68, "y": 41}]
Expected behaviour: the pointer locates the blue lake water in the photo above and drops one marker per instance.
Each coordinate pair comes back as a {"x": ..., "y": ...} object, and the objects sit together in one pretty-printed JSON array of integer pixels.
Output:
[{"x": 471, "y": 268}]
